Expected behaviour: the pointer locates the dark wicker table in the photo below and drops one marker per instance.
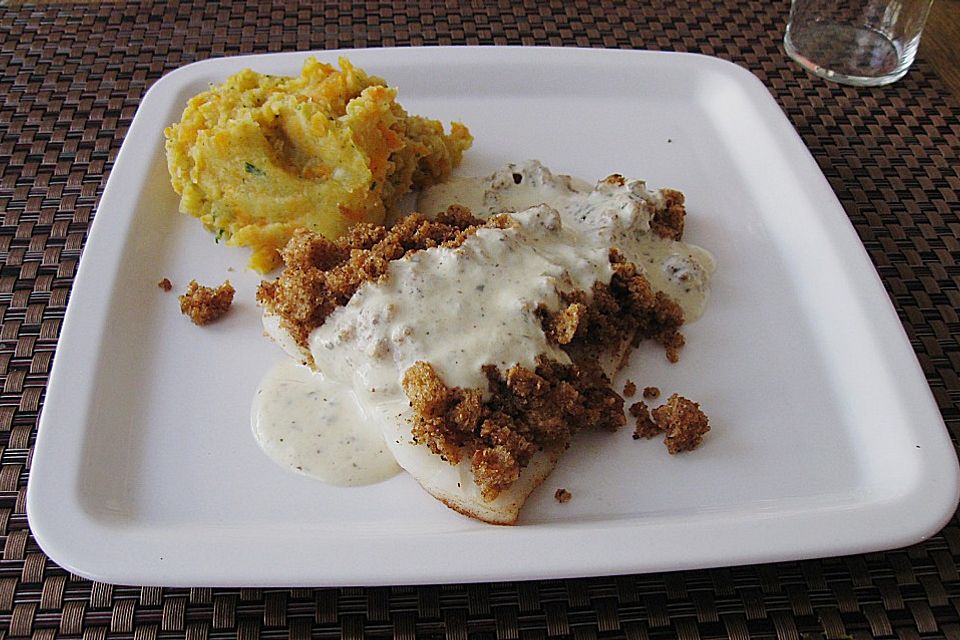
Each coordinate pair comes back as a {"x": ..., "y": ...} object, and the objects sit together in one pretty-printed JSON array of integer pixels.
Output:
[{"x": 72, "y": 76}]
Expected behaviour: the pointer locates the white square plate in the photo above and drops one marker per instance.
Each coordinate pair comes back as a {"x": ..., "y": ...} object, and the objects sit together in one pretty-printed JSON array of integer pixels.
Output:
[{"x": 826, "y": 437}]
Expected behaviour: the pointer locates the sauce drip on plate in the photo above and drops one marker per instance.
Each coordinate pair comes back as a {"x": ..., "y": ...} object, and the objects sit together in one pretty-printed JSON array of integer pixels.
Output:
[{"x": 314, "y": 426}]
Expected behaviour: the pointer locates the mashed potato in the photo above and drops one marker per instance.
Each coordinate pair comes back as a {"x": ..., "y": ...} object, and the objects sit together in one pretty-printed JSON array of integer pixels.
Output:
[{"x": 261, "y": 156}]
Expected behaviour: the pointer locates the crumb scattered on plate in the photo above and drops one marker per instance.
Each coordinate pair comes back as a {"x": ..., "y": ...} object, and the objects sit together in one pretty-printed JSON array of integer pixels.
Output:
[
  {"x": 563, "y": 496},
  {"x": 203, "y": 305},
  {"x": 165, "y": 284},
  {"x": 645, "y": 426},
  {"x": 683, "y": 422},
  {"x": 680, "y": 419},
  {"x": 651, "y": 393},
  {"x": 629, "y": 389}
]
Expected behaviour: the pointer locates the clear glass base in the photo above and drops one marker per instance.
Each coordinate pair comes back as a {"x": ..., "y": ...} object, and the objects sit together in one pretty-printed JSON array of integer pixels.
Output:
[{"x": 857, "y": 56}]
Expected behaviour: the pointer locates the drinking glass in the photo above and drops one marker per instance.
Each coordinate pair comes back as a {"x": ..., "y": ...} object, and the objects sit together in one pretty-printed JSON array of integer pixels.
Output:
[{"x": 857, "y": 42}]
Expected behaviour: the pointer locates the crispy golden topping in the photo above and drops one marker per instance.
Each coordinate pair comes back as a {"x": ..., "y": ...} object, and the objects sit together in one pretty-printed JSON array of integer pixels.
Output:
[
  {"x": 203, "y": 305},
  {"x": 526, "y": 411}
]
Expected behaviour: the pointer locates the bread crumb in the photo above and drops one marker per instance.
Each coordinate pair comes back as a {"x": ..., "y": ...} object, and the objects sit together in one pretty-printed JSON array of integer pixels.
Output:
[
  {"x": 629, "y": 389},
  {"x": 628, "y": 308},
  {"x": 673, "y": 356},
  {"x": 651, "y": 393},
  {"x": 205, "y": 304},
  {"x": 165, "y": 284},
  {"x": 683, "y": 422},
  {"x": 563, "y": 496},
  {"x": 668, "y": 221},
  {"x": 527, "y": 410},
  {"x": 645, "y": 426}
]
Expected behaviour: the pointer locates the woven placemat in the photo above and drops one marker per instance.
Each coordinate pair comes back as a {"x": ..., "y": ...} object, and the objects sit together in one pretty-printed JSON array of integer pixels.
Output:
[{"x": 72, "y": 76}]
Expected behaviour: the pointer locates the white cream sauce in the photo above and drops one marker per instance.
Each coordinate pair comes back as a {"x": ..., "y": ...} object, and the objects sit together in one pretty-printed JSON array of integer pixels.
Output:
[
  {"x": 607, "y": 215},
  {"x": 458, "y": 309},
  {"x": 314, "y": 426}
]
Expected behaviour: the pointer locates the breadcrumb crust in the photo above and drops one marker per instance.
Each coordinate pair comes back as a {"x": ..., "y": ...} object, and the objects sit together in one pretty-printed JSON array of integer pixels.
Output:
[
  {"x": 680, "y": 419},
  {"x": 527, "y": 410},
  {"x": 684, "y": 423},
  {"x": 204, "y": 305}
]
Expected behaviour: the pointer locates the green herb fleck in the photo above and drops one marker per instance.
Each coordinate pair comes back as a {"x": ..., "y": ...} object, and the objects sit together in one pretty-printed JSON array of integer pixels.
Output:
[
  {"x": 219, "y": 235},
  {"x": 253, "y": 169}
]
